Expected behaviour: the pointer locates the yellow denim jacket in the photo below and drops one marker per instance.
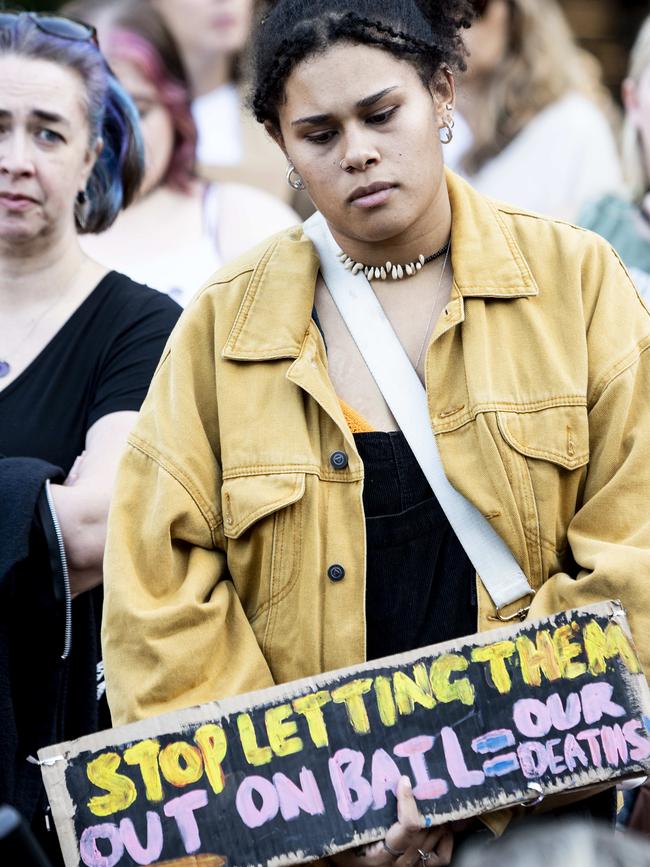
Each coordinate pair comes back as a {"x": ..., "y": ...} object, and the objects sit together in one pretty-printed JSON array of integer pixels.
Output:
[{"x": 228, "y": 511}]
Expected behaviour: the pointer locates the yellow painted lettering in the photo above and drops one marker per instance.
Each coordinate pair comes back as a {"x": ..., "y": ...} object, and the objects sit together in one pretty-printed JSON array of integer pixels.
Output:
[
  {"x": 255, "y": 755},
  {"x": 351, "y": 695},
  {"x": 446, "y": 690},
  {"x": 211, "y": 740},
  {"x": 496, "y": 654},
  {"x": 310, "y": 706},
  {"x": 145, "y": 755},
  {"x": 181, "y": 764},
  {"x": 385, "y": 702},
  {"x": 537, "y": 658},
  {"x": 567, "y": 650},
  {"x": 411, "y": 691},
  {"x": 603, "y": 645},
  {"x": 282, "y": 731},
  {"x": 102, "y": 772}
]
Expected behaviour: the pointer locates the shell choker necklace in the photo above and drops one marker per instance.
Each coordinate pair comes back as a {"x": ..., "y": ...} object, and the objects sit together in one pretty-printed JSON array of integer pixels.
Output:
[{"x": 395, "y": 272}]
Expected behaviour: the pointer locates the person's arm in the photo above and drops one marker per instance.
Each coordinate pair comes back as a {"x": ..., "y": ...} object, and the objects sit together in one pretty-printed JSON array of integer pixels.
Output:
[
  {"x": 175, "y": 632},
  {"x": 128, "y": 362},
  {"x": 245, "y": 216},
  {"x": 609, "y": 533},
  {"x": 82, "y": 503}
]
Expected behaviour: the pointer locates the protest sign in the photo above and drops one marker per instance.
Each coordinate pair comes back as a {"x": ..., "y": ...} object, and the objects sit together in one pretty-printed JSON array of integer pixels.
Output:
[{"x": 310, "y": 767}]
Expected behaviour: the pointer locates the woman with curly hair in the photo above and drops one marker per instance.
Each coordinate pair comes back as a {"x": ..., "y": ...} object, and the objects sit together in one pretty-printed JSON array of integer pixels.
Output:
[
  {"x": 531, "y": 130},
  {"x": 277, "y": 513}
]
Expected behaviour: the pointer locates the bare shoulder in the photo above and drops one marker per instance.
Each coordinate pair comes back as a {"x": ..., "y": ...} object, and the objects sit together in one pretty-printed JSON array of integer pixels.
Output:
[{"x": 258, "y": 205}]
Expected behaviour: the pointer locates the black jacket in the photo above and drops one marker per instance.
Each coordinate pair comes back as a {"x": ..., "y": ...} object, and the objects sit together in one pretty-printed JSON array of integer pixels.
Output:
[{"x": 49, "y": 646}]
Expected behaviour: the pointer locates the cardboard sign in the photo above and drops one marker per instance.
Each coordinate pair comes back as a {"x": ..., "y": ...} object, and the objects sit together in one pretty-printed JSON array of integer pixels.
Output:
[{"x": 310, "y": 768}]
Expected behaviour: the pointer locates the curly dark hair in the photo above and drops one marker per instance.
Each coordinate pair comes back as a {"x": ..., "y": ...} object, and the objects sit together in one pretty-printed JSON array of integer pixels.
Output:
[{"x": 428, "y": 34}]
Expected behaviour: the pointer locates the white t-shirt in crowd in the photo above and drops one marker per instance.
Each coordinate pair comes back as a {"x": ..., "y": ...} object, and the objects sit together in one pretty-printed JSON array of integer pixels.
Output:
[
  {"x": 238, "y": 215},
  {"x": 228, "y": 219},
  {"x": 564, "y": 158},
  {"x": 217, "y": 116}
]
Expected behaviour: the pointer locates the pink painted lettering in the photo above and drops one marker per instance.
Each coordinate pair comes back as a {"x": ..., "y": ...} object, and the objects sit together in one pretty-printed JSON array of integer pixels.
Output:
[
  {"x": 182, "y": 809},
  {"x": 345, "y": 768},
  {"x": 531, "y": 717},
  {"x": 461, "y": 776},
  {"x": 563, "y": 717},
  {"x": 152, "y": 851},
  {"x": 591, "y": 737},
  {"x": 425, "y": 788},
  {"x": 252, "y": 814},
  {"x": 293, "y": 798},
  {"x": 640, "y": 745},
  {"x": 384, "y": 778},
  {"x": 573, "y": 751},
  {"x": 555, "y": 763},
  {"x": 533, "y": 758},
  {"x": 596, "y": 702},
  {"x": 614, "y": 745},
  {"x": 90, "y": 854}
]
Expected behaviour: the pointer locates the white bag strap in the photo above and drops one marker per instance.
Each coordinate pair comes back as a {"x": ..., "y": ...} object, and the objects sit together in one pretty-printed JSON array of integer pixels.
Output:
[{"x": 406, "y": 396}]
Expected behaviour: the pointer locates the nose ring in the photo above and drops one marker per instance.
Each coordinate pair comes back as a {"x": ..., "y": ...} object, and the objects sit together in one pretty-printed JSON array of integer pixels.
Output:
[{"x": 345, "y": 168}]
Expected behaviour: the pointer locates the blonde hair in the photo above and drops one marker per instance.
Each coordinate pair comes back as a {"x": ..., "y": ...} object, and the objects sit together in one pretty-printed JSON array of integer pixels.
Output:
[
  {"x": 634, "y": 158},
  {"x": 542, "y": 64}
]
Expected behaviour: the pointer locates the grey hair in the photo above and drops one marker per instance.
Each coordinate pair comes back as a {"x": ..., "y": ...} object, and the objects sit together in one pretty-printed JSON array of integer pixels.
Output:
[{"x": 580, "y": 844}]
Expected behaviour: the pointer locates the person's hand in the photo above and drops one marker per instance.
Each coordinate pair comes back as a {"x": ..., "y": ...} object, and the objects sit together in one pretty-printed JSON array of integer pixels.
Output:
[{"x": 407, "y": 843}]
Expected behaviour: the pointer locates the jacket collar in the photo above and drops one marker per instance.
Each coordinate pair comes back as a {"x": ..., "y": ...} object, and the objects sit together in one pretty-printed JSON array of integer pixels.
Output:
[
  {"x": 486, "y": 259},
  {"x": 276, "y": 309},
  {"x": 275, "y": 313}
]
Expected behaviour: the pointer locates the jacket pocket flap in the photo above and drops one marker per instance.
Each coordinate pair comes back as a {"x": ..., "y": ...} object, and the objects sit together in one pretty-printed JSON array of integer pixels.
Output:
[
  {"x": 246, "y": 499},
  {"x": 559, "y": 434}
]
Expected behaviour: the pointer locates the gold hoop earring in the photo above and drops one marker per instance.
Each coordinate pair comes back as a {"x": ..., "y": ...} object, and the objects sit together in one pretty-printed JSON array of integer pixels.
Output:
[
  {"x": 446, "y": 133},
  {"x": 296, "y": 183}
]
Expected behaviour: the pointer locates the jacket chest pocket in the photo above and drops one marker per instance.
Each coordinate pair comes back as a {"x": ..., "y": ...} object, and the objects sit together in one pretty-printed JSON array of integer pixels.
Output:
[
  {"x": 547, "y": 452},
  {"x": 262, "y": 518}
]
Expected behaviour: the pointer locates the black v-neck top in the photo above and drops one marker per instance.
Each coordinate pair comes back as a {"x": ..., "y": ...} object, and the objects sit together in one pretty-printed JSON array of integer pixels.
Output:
[{"x": 100, "y": 361}]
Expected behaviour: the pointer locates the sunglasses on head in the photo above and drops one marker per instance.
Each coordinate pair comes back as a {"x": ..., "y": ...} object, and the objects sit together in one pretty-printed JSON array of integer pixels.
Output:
[{"x": 53, "y": 25}]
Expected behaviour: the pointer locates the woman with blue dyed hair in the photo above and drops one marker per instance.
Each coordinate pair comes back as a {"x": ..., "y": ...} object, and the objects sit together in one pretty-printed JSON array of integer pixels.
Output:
[{"x": 78, "y": 347}]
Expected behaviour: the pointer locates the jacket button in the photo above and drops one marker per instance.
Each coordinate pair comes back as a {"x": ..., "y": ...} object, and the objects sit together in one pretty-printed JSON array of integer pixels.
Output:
[
  {"x": 339, "y": 460},
  {"x": 336, "y": 572}
]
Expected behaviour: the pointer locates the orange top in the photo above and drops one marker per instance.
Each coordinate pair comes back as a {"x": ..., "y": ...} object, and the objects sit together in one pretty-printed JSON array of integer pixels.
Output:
[{"x": 356, "y": 422}]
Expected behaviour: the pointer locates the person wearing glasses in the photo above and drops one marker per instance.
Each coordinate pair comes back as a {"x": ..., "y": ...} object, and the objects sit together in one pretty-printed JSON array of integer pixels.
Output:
[
  {"x": 275, "y": 515},
  {"x": 78, "y": 346},
  {"x": 530, "y": 128}
]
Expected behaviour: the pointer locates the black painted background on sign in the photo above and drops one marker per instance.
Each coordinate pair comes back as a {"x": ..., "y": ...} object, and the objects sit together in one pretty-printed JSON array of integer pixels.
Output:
[{"x": 223, "y": 832}]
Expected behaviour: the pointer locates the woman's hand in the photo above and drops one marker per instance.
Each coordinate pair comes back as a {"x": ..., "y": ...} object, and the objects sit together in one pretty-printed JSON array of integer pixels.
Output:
[{"x": 407, "y": 843}]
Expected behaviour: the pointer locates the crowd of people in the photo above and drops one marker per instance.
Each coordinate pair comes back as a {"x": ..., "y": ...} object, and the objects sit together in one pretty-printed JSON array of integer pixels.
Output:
[{"x": 264, "y": 492}]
